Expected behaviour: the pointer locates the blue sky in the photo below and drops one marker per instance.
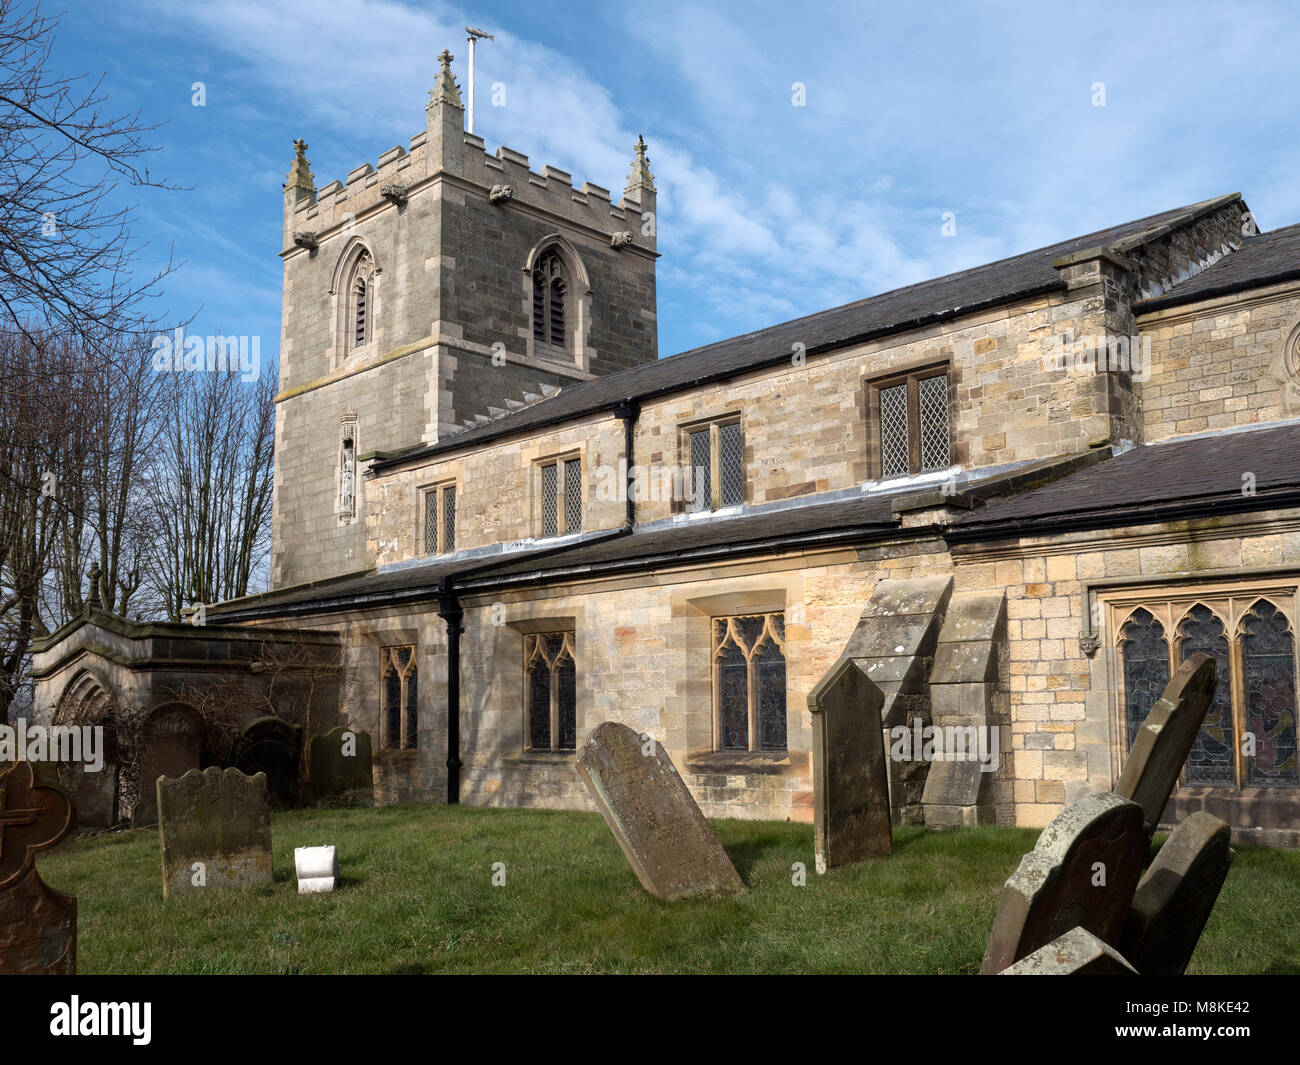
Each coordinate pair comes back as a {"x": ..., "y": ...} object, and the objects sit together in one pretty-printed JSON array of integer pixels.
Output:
[{"x": 767, "y": 210}]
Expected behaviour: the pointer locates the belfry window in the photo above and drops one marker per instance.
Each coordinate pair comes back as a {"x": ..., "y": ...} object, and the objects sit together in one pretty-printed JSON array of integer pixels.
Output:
[
  {"x": 550, "y": 688},
  {"x": 1248, "y": 738},
  {"x": 749, "y": 682},
  {"x": 550, "y": 292},
  {"x": 361, "y": 305}
]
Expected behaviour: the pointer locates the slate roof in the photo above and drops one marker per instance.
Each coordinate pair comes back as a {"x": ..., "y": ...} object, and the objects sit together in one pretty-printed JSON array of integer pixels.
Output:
[
  {"x": 1018, "y": 277},
  {"x": 1194, "y": 476},
  {"x": 1264, "y": 259},
  {"x": 690, "y": 541}
]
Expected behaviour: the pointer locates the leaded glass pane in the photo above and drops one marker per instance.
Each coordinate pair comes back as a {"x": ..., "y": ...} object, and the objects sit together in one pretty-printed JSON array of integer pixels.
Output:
[
  {"x": 393, "y": 707},
  {"x": 550, "y": 501},
  {"x": 1146, "y": 668},
  {"x": 430, "y": 523},
  {"x": 733, "y": 699},
  {"x": 770, "y": 664},
  {"x": 411, "y": 739},
  {"x": 1268, "y": 652},
  {"x": 893, "y": 431},
  {"x": 539, "y": 706},
  {"x": 750, "y": 629},
  {"x": 701, "y": 471},
  {"x": 567, "y": 683},
  {"x": 933, "y": 403},
  {"x": 1211, "y": 757},
  {"x": 573, "y": 495},
  {"x": 733, "y": 465},
  {"x": 449, "y": 519}
]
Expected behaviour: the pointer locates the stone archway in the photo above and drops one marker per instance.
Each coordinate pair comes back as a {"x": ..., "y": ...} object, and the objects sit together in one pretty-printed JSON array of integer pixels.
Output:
[
  {"x": 171, "y": 742},
  {"x": 93, "y": 786},
  {"x": 272, "y": 746}
]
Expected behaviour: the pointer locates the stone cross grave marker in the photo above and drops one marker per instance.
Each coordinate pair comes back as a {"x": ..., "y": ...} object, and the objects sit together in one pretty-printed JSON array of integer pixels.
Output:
[
  {"x": 1082, "y": 872},
  {"x": 215, "y": 828},
  {"x": 1175, "y": 896},
  {"x": 645, "y": 802},
  {"x": 1166, "y": 737},
  {"x": 850, "y": 780},
  {"x": 38, "y": 925}
]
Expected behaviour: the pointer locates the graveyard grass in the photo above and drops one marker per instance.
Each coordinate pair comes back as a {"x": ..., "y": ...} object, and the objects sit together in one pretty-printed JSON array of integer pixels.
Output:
[{"x": 417, "y": 897}]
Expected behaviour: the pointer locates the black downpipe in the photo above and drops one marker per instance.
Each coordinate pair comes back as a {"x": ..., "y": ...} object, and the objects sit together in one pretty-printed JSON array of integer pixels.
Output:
[
  {"x": 449, "y": 609},
  {"x": 627, "y": 412}
]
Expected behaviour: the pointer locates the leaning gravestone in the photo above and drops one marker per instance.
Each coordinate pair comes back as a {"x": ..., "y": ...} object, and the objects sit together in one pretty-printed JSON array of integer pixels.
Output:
[
  {"x": 1077, "y": 953},
  {"x": 850, "y": 779},
  {"x": 1082, "y": 872},
  {"x": 215, "y": 828},
  {"x": 1175, "y": 896},
  {"x": 1166, "y": 737},
  {"x": 648, "y": 807},
  {"x": 38, "y": 925},
  {"x": 341, "y": 768}
]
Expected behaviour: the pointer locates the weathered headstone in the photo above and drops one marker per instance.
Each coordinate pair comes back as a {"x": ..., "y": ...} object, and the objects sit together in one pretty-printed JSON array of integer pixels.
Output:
[
  {"x": 215, "y": 828},
  {"x": 1082, "y": 872},
  {"x": 648, "y": 807},
  {"x": 1077, "y": 953},
  {"x": 317, "y": 869},
  {"x": 38, "y": 925},
  {"x": 1175, "y": 896},
  {"x": 170, "y": 747},
  {"x": 850, "y": 780},
  {"x": 1166, "y": 737},
  {"x": 341, "y": 768}
]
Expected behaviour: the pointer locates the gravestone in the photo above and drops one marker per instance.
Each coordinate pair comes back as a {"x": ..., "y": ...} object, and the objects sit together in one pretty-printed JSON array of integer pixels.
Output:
[
  {"x": 1175, "y": 896},
  {"x": 171, "y": 742},
  {"x": 1166, "y": 737},
  {"x": 663, "y": 834},
  {"x": 851, "y": 820},
  {"x": 317, "y": 869},
  {"x": 38, "y": 925},
  {"x": 1077, "y": 953},
  {"x": 341, "y": 768},
  {"x": 1082, "y": 872},
  {"x": 271, "y": 745},
  {"x": 215, "y": 828}
]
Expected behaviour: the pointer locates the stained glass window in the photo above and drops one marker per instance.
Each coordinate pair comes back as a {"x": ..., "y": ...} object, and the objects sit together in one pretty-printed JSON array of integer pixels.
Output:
[
  {"x": 401, "y": 697},
  {"x": 750, "y": 682},
  {"x": 1146, "y": 667},
  {"x": 551, "y": 689},
  {"x": 1211, "y": 757},
  {"x": 1268, "y": 661}
]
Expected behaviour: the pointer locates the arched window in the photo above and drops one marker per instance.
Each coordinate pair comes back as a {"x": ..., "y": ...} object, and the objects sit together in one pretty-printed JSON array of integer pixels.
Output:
[
  {"x": 401, "y": 694},
  {"x": 550, "y": 292},
  {"x": 552, "y": 689},
  {"x": 1268, "y": 670},
  {"x": 749, "y": 691},
  {"x": 361, "y": 302},
  {"x": 1211, "y": 758},
  {"x": 1146, "y": 667}
]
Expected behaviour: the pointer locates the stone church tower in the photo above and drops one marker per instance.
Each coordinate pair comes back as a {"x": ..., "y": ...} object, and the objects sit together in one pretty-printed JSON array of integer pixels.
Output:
[{"x": 429, "y": 294}]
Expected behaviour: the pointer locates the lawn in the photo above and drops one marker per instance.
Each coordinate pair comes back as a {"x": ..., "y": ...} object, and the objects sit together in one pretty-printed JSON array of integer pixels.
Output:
[{"x": 417, "y": 897}]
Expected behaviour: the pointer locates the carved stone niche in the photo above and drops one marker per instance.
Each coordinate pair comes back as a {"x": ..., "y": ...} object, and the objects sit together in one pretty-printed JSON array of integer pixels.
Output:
[{"x": 501, "y": 194}]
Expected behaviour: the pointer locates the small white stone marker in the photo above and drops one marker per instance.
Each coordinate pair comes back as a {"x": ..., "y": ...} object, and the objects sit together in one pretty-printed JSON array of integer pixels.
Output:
[{"x": 318, "y": 869}]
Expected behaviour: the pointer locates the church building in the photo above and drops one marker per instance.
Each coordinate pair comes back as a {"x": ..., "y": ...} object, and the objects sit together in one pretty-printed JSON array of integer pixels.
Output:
[{"x": 1017, "y": 497}]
